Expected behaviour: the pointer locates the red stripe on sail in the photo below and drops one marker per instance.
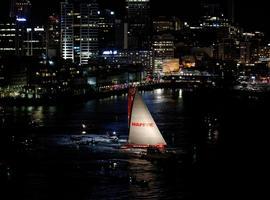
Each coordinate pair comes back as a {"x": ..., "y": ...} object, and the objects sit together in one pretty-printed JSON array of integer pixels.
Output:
[{"x": 131, "y": 95}]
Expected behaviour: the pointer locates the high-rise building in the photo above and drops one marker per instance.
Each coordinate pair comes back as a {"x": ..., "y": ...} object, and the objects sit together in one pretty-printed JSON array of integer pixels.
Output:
[
  {"x": 12, "y": 9},
  {"x": 79, "y": 31},
  {"x": 161, "y": 24},
  {"x": 53, "y": 36},
  {"x": 7, "y": 38},
  {"x": 231, "y": 11},
  {"x": 163, "y": 49},
  {"x": 35, "y": 42},
  {"x": 106, "y": 27},
  {"x": 165, "y": 24},
  {"x": 67, "y": 32},
  {"x": 128, "y": 57},
  {"x": 139, "y": 24},
  {"x": 11, "y": 38},
  {"x": 211, "y": 9},
  {"x": 88, "y": 31},
  {"x": 19, "y": 16},
  {"x": 20, "y": 9},
  {"x": 228, "y": 50}
]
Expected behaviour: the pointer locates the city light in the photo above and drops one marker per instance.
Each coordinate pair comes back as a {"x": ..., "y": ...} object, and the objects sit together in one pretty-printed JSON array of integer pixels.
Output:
[
  {"x": 109, "y": 52},
  {"x": 89, "y": 88},
  {"x": 21, "y": 19}
]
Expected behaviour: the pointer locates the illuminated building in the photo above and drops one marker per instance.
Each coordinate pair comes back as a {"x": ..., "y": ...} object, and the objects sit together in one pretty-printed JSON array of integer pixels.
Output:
[
  {"x": 163, "y": 48},
  {"x": 161, "y": 24},
  {"x": 15, "y": 40},
  {"x": 213, "y": 16},
  {"x": 11, "y": 38},
  {"x": 256, "y": 44},
  {"x": 244, "y": 52},
  {"x": 15, "y": 71},
  {"x": 88, "y": 31},
  {"x": 79, "y": 31},
  {"x": 128, "y": 57},
  {"x": 214, "y": 22},
  {"x": 35, "y": 42},
  {"x": 20, "y": 15},
  {"x": 211, "y": 9},
  {"x": 7, "y": 38},
  {"x": 53, "y": 36},
  {"x": 67, "y": 32},
  {"x": 106, "y": 26},
  {"x": 20, "y": 9},
  {"x": 227, "y": 50},
  {"x": 139, "y": 24}
]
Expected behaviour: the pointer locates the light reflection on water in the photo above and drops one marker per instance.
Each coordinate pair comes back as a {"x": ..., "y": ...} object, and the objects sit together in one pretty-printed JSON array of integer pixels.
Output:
[{"x": 180, "y": 123}]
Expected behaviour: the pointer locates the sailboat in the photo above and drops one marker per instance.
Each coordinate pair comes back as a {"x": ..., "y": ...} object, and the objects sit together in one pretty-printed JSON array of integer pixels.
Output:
[{"x": 143, "y": 131}]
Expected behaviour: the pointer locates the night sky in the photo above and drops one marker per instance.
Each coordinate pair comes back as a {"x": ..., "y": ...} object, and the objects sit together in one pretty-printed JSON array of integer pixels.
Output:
[{"x": 252, "y": 15}]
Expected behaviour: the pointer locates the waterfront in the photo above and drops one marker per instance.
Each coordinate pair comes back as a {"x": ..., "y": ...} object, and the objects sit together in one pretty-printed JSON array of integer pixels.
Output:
[{"x": 222, "y": 136}]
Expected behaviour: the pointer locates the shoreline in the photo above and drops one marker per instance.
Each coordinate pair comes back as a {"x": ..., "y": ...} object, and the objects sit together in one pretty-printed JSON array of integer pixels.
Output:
[{"x": 71, "y": 99}]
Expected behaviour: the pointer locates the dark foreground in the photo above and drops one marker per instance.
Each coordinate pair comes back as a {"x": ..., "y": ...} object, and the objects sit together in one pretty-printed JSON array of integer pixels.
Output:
[{"x": 222, "y": 135}]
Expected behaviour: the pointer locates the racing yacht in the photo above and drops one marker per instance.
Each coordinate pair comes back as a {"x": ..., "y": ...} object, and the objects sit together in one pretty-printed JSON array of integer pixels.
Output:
[{"x": 143, "y": 131}]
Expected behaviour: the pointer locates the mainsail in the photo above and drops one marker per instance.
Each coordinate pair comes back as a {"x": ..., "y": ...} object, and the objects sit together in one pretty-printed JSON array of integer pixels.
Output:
[{"x": 143, "y": 130}]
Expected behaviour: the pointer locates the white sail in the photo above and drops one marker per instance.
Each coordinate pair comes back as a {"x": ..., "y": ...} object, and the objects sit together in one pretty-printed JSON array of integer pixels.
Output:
[{"x": 143, "y": 129}]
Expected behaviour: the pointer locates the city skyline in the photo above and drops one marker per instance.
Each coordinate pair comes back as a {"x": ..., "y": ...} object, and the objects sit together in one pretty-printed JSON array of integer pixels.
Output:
[
  {"x": 249, "y": 15},
  {"x": 135, "y": 100}
]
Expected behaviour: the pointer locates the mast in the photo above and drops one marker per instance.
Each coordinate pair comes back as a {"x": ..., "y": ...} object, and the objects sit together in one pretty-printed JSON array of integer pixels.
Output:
[{"x": 131, "y": 95}]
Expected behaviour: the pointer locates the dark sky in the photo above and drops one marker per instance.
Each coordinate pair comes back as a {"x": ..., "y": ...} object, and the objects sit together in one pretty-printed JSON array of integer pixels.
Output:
[{"x": 250, "y": 14}]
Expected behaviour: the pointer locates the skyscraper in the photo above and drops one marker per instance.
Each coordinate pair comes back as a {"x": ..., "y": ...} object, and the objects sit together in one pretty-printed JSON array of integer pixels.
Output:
[
  {"x": 67, "y": 32},
  {"x": 139, "y": 24},
  {"x": 79, "y": 30},
  {"x": 88, "y": 31},
  {"x": 20, "y": 9},
  {"x": 106, "y": 27},
  {"x": 53, "y": 36},
  {"x": 7, "y": 38},
  {"x": 19, "y": 15},
  {"x": 231, "y": 11},
  {"x": 163, "y": 49},
  {"x": 12, "y": 9}
]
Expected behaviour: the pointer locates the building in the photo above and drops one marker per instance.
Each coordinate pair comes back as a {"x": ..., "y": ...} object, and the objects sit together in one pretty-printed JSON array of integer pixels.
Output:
[
  {"x": 211, "y": 9},
  {"x": 88, "y": 31},
  {"x": 79, "y": 31},
  {"x": 106, "y": 29},
  {"x": 8, "y": 35},
  {"x": 53, "y": 36},
  {"x": 228, "y": 50},
  {"x": 163, "y": 49},
  {"x": 214, "y": 22},
  {"x": 19, "y": 41},
  {"x": 20, "y": 9},
  {"x": 231, "y": 11},
  {"x": 119, "y": 34},
  {"x": 165, "y": 24},
  {"x": 35, "y": 42},
  {"x": 11, "y": 38},
  {"x": 128, "y": 57},
  {"x": 67, "y": 31},
  {"x": 14, "y": 72},
  {"x": 139, "y": 24}
]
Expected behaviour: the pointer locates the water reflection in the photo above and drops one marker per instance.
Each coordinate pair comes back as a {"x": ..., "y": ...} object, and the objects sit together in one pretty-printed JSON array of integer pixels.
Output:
[
  {"x": 89, "y": 174},
  {"x": 211, "y": 124}
]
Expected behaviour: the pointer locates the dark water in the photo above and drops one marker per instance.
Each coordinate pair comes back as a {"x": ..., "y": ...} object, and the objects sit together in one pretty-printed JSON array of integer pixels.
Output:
[{"x": 222, "y": 137}]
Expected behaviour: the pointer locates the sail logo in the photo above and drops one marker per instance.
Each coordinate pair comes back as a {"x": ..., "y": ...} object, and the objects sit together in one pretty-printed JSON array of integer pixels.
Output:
[{"x": 141, "y": 124}]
